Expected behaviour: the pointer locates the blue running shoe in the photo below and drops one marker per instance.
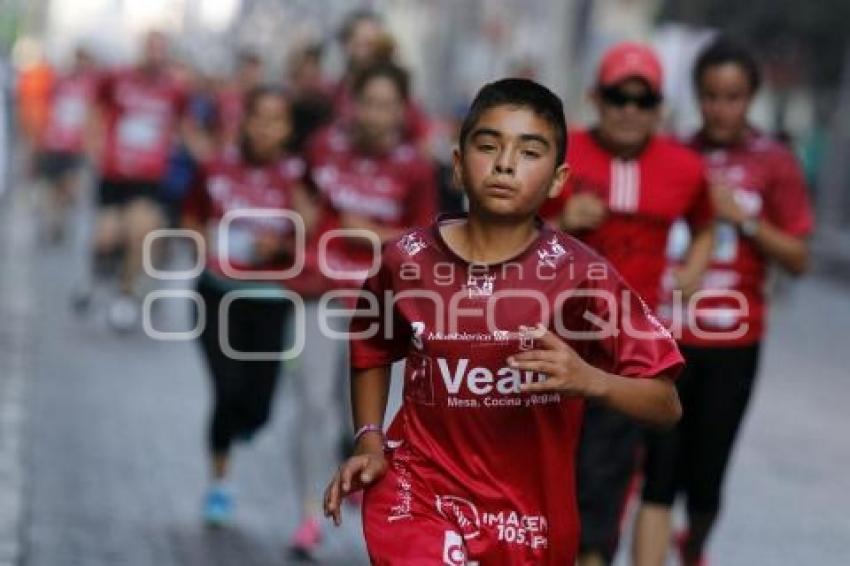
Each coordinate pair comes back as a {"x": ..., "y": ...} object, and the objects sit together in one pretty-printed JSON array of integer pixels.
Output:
[{"x": 218, "y": 507}]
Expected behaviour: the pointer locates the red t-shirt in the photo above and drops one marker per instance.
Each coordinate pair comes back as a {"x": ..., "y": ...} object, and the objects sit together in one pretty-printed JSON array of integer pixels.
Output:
[
  {"x": 644, "y": 195},
  {"x": 69, "y": 105},
  {"x": 768, "y": 184},
  {"x": 142, "y": 112},
  {"x": 396, "y": 189},
  {"x": 463, "y": 417},
  {"x": 228, "y": 184}
]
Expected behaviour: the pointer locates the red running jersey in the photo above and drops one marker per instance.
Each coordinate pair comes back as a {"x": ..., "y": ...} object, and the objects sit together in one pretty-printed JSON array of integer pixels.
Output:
[
  {"x": 768, "y": 184},
  {"x": 509, "y": 456},
  {"x": 396, "y": 189},
  {"x": 228, "y": 184},
  {"x": 70, "y": 101},
  {"x": 142, "y": 113},
  {"x": 644, "y": 196}
]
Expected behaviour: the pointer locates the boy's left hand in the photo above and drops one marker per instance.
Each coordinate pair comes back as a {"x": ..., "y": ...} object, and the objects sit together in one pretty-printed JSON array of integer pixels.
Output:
[{"x": 567, "y": 372}]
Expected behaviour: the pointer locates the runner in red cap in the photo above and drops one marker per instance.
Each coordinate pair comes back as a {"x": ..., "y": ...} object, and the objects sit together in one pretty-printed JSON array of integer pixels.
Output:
[{"x": 627, "y": 188}]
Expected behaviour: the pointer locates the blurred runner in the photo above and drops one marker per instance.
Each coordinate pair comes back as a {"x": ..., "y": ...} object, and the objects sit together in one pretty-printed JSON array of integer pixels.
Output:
[
  {"x": 133, "y": 131},
  {"x": 478, "y": 466},
  {"x": 764, "y": 216},
  {"x": 257, "y": 174},
  {"x": 61, "y": 147},
  {"x": 369, "y": 180},
  {"x": 366, "y": 42},
  {"x": 627, "y": 187},
  {"x": 33, "y": 89}
]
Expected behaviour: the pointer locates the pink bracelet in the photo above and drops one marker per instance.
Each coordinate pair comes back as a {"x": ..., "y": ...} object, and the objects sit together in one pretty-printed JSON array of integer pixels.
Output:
[{"x": 365, "y": 429}]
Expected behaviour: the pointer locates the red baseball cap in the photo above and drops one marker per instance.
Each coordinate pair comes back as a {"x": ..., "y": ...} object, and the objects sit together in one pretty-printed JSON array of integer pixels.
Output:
[{"x": 630, "y": 60}]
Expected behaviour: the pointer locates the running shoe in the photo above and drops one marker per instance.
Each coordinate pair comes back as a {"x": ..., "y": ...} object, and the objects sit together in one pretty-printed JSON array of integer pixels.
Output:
[
  {"x": 306, "y": 540},
  {"x": 218, "y": 507}
]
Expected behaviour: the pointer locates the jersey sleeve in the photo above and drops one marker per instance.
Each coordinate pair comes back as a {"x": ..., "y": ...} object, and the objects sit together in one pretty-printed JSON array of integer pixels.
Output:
[
  {"x": 377, "y": 337},
  {"x": 630, "y": 341},
  {"x": 787, "y": 204}
]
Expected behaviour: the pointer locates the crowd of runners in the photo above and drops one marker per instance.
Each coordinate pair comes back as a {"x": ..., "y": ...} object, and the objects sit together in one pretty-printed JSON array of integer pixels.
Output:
[{"x": 578, "y": 310}]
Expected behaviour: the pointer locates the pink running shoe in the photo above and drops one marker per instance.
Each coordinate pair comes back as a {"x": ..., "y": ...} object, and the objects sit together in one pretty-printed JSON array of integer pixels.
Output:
[{"x": 306, "y": 539}]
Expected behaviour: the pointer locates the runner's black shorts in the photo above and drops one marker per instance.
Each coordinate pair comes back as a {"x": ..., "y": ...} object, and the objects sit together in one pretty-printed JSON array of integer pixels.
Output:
[
  {"x": 53, "y": 165},
  {"x": 692, "y": 458},
  {"x": 119, "y": 193}
]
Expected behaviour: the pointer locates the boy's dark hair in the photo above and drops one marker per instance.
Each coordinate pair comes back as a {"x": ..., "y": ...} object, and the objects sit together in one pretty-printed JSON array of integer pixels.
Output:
[
  {"x": 387, "y": 70},
  {"x": 525, "y": 93},
  {"x": 725, "y": 50}
]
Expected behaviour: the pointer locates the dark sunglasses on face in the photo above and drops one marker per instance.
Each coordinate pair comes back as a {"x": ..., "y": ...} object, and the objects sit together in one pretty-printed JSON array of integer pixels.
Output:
[{"x": 613, "y": 96}]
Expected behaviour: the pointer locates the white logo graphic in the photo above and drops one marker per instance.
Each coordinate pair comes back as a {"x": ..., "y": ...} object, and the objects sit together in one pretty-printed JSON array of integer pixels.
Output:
[
  {"x": 549, "y": 257},
  {"x": 454, "y": 554},
  {"x": 462, "y": 512},
  {"x": 411, "y": 244},
  {"x": 480, "y": 381},
  {"x": 480, "y": 285},
  {"x": 526, "y": 338},
  {"x": 417, "y": 328}
]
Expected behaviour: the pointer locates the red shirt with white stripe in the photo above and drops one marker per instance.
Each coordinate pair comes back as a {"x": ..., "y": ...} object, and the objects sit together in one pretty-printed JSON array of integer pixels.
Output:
[
  {"x": 467, "y": 433},
  {"x": 768, "y": 184},
  {"x": 141, "y": 111},
  {"x": 644, "y": 195},
  {"x": 70, "y": 100}
]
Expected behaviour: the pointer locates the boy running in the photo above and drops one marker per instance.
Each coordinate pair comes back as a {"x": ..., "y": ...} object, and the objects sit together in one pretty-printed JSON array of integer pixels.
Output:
[{"x": 481, "y": 466}]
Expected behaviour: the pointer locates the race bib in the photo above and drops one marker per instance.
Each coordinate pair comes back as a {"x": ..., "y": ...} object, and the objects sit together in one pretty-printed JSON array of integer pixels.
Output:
[
  {"x": 725, "y": 243},
  {"x": 70, "y": 112},
  {"x": 139, "y": 131}
]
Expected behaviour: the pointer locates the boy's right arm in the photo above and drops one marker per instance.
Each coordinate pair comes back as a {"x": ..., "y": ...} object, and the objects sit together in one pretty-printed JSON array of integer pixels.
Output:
[{"x": 369, "y": 393}]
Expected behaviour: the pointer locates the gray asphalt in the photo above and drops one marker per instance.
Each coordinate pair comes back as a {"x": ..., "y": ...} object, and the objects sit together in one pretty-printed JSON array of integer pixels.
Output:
[{"x": 112, "y": 442}]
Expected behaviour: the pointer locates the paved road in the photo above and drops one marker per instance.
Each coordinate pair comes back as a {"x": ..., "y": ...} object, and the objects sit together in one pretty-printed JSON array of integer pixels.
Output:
[
  {"x": 113, "y": 460},
  {"x": 113, "y": 448}
]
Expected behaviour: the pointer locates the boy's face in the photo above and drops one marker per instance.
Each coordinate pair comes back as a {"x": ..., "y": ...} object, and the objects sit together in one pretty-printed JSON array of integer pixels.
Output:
[{"x": 507, "y": 163}]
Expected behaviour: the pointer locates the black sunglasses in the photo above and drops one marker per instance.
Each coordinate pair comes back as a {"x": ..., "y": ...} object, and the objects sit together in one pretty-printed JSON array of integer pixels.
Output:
[{"x": 615, "y": 97}]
